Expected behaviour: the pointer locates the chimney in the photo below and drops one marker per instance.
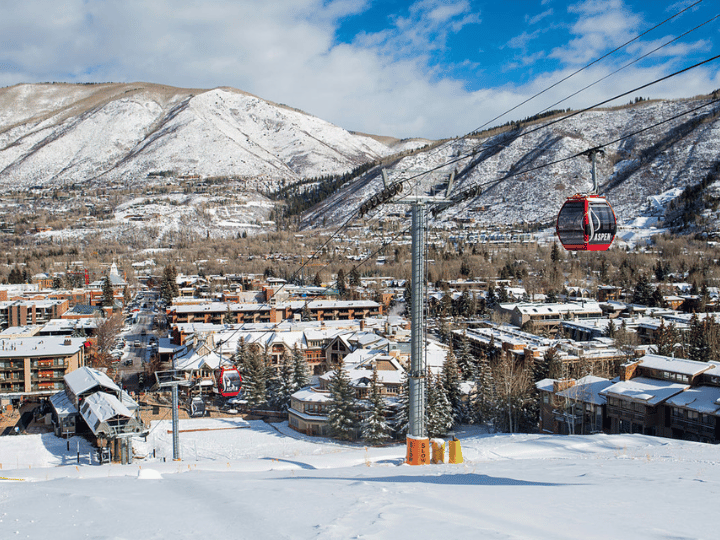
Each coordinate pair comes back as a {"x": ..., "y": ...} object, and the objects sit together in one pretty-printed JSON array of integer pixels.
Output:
[
  {"x": 68, "y": 341},
  {"x": 627, "y": 371}
]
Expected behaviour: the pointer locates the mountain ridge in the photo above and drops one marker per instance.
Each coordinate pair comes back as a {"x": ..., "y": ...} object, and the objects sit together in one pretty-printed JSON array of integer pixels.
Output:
[{"x": 55, "y": 134}]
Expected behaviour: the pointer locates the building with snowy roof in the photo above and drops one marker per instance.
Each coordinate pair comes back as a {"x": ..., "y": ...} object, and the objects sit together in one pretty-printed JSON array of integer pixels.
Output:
[
  {"x": 569, "y": 406},
  {"x": 36, "y": 366},
  {"x": 654, "y": 395},
  {"x": 637, "y": 403},
  {"x": 92, "y": 402},
  {"x": 308, "y": 411}
]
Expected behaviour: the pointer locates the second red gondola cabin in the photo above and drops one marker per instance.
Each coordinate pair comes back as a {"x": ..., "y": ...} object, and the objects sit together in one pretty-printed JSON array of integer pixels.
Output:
[{"x": 228, "y": 381}]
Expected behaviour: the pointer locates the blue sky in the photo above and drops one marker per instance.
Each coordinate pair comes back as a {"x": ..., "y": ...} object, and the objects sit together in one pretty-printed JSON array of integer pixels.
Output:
[{"x": 428, "y": 68}]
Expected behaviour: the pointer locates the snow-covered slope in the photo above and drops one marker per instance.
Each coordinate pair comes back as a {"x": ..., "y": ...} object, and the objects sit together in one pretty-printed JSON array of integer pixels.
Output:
[
  {"x": 250, "y": 480},
  {"x": 636, "y": 167},
  {"x": 60, "y": 133}
]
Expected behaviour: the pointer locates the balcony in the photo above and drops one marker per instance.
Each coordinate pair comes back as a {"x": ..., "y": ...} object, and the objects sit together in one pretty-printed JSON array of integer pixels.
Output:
[{"x": 626, "y": 414}]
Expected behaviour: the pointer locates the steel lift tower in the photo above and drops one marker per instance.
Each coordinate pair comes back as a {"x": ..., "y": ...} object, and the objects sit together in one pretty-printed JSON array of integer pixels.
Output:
[{"x": 418, "y": 443}]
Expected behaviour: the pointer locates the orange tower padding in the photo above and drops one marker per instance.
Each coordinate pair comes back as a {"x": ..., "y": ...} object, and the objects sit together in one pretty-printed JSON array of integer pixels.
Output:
[{"x": 418, "y": 450}]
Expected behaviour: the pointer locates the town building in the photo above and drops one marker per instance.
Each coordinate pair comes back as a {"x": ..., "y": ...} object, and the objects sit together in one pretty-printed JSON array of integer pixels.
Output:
[{"x": 36, "y": 366}]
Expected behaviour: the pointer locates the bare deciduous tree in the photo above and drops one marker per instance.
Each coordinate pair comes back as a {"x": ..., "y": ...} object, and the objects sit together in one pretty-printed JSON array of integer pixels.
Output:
[{"x": 105, "y": 336}]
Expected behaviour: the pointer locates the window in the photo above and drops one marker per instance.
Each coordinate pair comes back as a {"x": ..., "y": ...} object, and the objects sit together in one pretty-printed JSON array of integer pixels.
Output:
[{"x": 546, "y": 397}]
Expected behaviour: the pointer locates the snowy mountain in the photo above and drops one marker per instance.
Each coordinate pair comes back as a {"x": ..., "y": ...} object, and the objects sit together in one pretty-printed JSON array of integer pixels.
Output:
[
  {"x": 60, "y": 134},
  {"x": 54, "y": 134},
  {"x": 525, "y": 174}
]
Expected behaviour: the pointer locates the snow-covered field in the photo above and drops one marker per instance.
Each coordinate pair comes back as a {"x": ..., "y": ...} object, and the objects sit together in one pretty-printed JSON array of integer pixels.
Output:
[{"x": 250, "y": 480}]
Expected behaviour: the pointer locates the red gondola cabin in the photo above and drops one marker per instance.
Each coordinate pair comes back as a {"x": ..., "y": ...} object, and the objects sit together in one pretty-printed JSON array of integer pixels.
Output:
[
  {"x": 586, "y": 223},
  {"x": 228, "y": 382}
]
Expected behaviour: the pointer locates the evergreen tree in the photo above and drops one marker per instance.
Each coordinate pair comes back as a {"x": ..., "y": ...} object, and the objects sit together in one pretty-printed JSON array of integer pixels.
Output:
[
  {"x": 704, "y": 339},
  {"x": 15, "y": 276},
  {"x": 402, "y": 411},
  {"x": 446, "y": 307},
  {"x": 555, "y": 254},
  {"x": 611, "y": 329},
  {"x": 657, "y": 299},
  {"x": 107, "y": 293},
  {"x": 282, "y": 386},
  {"x": 241, "y": 352},
  {"x": 255, "y": 376},
  {"x": 438, "y": 414},
  {"x": 450, "y": 378},
  {"x": 317, "y": 280},
  {"x": 484, "y": 399},
  {"x": 354, "y": 278},
  {"x": 503, "y": 296},
  {"x": 126, "y": 295},
  {"x": 169, "y": 288},
  {"x": 662, "y": 270},
  {"x": 340, "y": 281},
  {"x": 305, "y": 314},
  {"x": 643, "y": 291},
  {"x": 230, "y": 317},
  {"x": 697, "y": 342},
  {"x": 704, "y": 297},
  {"x": 407, "y": 295},
  {"x": 301, "y": 377},
  {"x": 490, "y": 298},
  {"x": 342, "y": 416},
  {"x": 375, "y": 429},
  {"x": 465, "y": 360},
  {"x": 463, "y": 304},
  {"x": 665, "y": 339}
]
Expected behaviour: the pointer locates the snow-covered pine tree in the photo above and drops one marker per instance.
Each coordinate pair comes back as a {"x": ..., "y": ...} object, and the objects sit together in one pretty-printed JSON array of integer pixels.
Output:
[
  {"x": 375, "y": 429},
  {"x": 255, "y": 378},
  {"x": 401, "y": 417},
  {"x": 241, "y": 353},
  {"x": 342, "y": 416},
  {"x": 665, "y": 338},
  {"x": 450, "y": 378},
  {"x": 465, "y": 360},
  {"x": 438, "y": 415},
  {"x": 301, "y": 377},
  {"x": 484, "y": 402},
  {"x": 108, "y": 299},
  {"x": 282, "y": 386}
]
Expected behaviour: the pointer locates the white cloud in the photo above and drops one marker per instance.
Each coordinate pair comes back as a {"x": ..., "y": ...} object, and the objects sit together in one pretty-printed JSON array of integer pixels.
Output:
[
  {"x": 388, "y": 82},
  {"x": 539, "y": 17},
  {"x": 601, "y": 24}
]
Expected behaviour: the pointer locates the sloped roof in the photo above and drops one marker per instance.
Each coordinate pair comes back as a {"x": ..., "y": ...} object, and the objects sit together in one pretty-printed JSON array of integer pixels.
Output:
[
  {"x": 102, "y": 406},
  {"x": 588, "y": 390},
  {"x": 644, "y": 390},
  {"x": 192, "y": 361},
  {"x": 83, "y": 379},
  {"x": 62, "y": 404},
  {"x": 703, "y": 399},
  {"x": 674, "y": 365}
]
